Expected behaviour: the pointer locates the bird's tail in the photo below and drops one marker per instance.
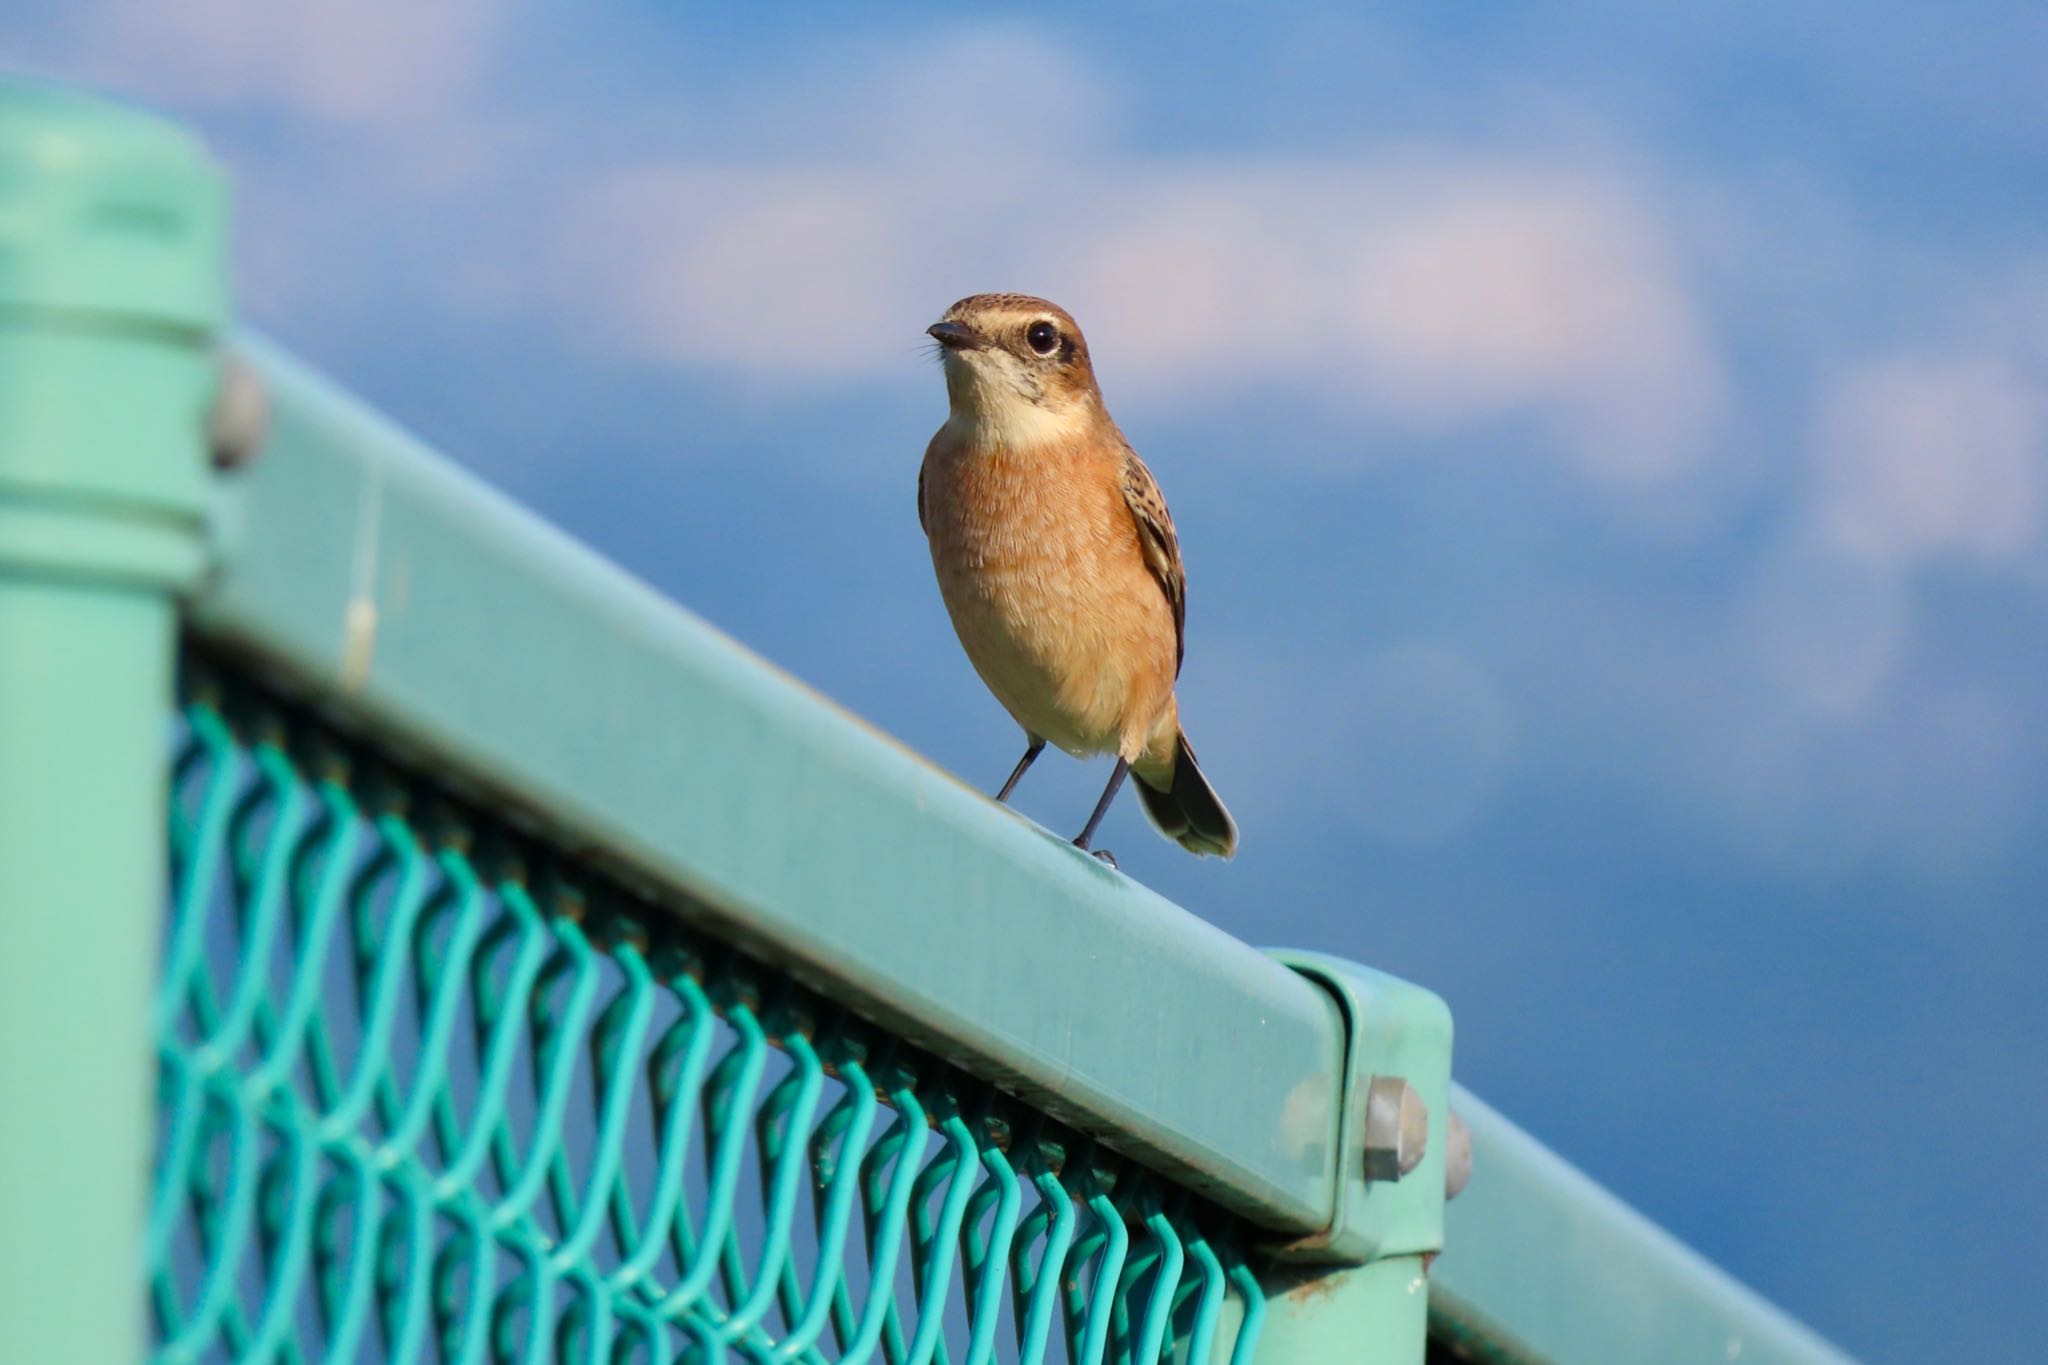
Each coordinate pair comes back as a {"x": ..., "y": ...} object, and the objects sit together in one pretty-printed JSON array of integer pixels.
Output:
[{"x": 1185, "y": 807}]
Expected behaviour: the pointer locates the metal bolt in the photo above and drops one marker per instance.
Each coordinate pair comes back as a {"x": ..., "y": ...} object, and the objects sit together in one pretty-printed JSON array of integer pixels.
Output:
[
  {"x": 240, "y": 418},
  {"x": 1457, "y": 1156},
  {"x": 1396, "y": 1128}
]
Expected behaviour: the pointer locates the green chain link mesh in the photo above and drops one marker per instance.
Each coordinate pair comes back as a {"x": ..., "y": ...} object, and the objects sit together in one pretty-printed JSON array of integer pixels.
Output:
[{"x": 433, "y": 1091}]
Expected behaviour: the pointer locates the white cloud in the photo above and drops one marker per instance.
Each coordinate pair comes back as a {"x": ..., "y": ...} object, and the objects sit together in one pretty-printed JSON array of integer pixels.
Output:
[
  {"x": 792, "y": 272},
  {"x": 1860, "y": 749},
  {"x": 383, "y": 62},
  {"x": 1938, "y": 455},
  {"x": 1422, "y": 286},
  {"x": 1926, "y": 457},
  {"x": 1431, "y": 287}
]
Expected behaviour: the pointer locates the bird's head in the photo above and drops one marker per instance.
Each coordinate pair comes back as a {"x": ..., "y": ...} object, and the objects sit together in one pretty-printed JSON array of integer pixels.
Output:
[{"x": 1017, "y": 369}]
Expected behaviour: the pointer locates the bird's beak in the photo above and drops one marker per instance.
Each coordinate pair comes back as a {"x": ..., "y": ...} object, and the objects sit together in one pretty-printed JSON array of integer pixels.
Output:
[{"x": 954, "y": 336}]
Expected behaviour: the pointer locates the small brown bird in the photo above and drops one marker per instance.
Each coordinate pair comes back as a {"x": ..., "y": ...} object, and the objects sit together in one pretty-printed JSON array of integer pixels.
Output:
[{"x": 1058, "y": 561}]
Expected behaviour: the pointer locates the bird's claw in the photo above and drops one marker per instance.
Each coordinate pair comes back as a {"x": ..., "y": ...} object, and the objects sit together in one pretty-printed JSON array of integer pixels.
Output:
[{"x": 1105, "y": 855}]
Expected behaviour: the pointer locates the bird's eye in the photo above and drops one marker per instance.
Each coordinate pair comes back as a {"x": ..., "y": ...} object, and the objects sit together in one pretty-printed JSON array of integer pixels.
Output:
[{"x": 1044, "y": 337}]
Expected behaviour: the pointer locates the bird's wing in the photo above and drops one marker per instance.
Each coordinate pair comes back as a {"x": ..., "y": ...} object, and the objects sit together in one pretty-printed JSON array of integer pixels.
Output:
[
  {"x": 920, "y": 500},
  {"x": 1160, "y": 545}
]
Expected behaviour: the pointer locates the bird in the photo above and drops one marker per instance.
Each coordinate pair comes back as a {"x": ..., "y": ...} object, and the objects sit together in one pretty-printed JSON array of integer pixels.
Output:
[{"x": 1058, "y": 562}]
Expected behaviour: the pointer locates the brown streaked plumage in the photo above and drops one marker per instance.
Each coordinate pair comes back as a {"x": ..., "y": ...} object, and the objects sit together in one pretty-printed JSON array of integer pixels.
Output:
[{"x": 1058, "y": 562}]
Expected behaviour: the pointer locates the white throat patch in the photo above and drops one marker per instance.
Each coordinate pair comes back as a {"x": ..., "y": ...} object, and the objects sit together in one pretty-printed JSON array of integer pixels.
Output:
[{"x": 997, "y": 402}]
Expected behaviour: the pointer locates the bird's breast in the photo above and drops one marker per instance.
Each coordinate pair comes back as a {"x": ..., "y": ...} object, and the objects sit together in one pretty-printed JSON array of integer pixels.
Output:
[{"x": 1039, "y": 564}]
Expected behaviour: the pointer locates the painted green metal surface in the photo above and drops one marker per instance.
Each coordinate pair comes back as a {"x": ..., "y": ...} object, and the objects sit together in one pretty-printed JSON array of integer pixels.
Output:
[
  {"x": 1393, "y": 1029},
  {"x": 1541, "y": 1264},
  {"x": 431, "y": 1090},
  {"x": 110, "y": 213},
  {"x": 110, "y": 280},
  {"x": 372, "y": 571},
  {"x": 1359, "y": 1290},
  {"x": 1372, "y": 1314}
]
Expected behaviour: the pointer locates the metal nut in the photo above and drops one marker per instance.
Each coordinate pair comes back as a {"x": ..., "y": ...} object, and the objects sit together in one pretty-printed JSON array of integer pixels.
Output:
[
  {"x": 1396, "y": 1128},
  {"x": 240, "y": 418},
  {"x": 1457, "y": 1156}
]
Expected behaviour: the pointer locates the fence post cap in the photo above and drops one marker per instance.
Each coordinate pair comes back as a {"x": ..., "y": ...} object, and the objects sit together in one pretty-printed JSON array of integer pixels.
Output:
[{"x": 107, "y": 211}]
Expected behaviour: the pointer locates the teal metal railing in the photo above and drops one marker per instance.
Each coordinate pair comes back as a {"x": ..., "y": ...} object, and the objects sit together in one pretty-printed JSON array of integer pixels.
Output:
[{"x": 536, "y": 975}]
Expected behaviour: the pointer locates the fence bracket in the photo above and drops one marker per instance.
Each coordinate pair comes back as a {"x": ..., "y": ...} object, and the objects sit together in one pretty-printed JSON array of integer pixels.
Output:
[{"x": 1359, "y": 1289}]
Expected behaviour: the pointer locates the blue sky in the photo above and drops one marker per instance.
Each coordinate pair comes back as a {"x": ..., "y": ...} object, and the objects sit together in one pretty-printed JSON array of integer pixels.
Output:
[{"x": 1610, "y": 445}]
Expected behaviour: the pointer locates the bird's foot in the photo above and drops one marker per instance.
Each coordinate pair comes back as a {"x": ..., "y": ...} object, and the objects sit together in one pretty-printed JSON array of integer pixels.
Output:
[{"x": 1104, "y": 855}]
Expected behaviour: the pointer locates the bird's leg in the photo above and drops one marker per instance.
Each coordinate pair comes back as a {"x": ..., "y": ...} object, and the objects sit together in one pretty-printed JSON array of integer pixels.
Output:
[
  {"x": 1037, "y": 745},
  {"x": 1116, "y": 780}
]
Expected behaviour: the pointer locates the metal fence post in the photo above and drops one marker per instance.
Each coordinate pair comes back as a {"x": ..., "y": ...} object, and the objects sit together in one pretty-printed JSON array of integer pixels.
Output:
[
  {"x": 1359, "y": 1292},
  {"x": 111, "y": 289}
]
